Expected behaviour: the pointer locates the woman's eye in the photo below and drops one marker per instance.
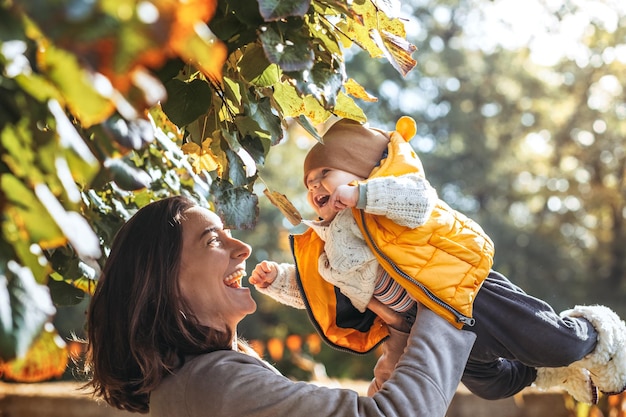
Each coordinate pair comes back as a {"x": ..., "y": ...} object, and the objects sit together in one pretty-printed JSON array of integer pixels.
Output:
[{"x": 214, "y": 241}]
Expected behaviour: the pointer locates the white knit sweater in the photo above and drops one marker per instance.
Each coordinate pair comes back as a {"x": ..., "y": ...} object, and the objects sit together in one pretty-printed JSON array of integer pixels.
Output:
[{"x": 347, "y": 262}]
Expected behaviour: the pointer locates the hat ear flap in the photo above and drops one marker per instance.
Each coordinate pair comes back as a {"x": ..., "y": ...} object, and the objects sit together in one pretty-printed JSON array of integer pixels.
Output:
[{"x": 407, "y": 127}]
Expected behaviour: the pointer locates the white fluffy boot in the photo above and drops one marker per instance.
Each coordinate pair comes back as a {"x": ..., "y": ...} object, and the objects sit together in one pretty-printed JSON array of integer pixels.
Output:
[
  {"x": 576, "y": 381},
  {"x": 607, "y": 362}
]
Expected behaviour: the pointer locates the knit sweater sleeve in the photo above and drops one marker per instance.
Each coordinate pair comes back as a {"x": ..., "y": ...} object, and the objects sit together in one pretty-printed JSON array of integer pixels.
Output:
[
  {"x": 228, "y": 383},
  {"x": 284, "y": 289},
  {"x": 408, "y": 199}
]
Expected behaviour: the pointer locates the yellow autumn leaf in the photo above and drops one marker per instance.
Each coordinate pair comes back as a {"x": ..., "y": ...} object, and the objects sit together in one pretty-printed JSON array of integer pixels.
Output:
[
  {"x": 46, "y": 359},
  {"x": 315, "y": 111},
  {"x": 356, "y": 90},
  {"x": 86, "y": 285},
  {"x": 202, "y": 157},
  {"x": 287, "y": 97},
  {"x": 378, "y": 34},
  {"x": 347, "y": 108}
]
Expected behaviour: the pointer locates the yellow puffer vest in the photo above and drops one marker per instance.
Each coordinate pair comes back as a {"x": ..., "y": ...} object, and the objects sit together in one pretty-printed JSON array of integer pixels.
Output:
[{"x": 442, "y": 264}]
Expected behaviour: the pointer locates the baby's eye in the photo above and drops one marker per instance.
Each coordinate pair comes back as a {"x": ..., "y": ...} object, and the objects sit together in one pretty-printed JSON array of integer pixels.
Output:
[{"x": 325, "y": 172}]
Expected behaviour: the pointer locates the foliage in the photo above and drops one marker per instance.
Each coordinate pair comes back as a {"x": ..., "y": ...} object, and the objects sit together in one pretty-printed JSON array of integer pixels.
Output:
[{"x": 108, "y": 105}]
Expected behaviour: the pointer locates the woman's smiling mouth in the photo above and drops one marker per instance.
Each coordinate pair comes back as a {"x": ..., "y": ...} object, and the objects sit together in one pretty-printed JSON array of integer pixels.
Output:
[{"x": 234, "y": 279}]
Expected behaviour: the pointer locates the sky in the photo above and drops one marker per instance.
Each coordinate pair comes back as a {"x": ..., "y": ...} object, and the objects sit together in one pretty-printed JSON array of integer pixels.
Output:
[{"x": 536, "y": 23}]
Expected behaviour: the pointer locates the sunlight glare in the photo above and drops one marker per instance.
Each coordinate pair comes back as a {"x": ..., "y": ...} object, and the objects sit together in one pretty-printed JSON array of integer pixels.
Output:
[{"x": 512, "y": 24}]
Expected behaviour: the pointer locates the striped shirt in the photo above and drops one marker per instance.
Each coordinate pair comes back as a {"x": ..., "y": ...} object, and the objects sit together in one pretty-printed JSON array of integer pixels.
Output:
[{"x": 390, "y": 293}]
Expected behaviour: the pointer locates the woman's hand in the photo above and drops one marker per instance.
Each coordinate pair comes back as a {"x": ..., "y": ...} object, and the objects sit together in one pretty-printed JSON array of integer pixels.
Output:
[
  {"x": 392, "y": 318},
  {"x": 393, "y": 347}
]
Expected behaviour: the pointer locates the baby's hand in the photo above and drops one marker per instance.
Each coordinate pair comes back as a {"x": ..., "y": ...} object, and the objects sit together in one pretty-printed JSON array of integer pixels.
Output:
[
  {"x": 344, "y": 196},
  {"x": 263, "y": 274}
]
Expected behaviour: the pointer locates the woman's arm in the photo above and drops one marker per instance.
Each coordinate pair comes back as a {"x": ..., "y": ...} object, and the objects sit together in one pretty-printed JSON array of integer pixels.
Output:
[{"x": 227, "y": 383}]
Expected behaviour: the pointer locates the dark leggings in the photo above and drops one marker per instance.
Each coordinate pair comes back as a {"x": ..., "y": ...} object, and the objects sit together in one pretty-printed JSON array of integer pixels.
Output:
[{"x": 516, "y": 333}]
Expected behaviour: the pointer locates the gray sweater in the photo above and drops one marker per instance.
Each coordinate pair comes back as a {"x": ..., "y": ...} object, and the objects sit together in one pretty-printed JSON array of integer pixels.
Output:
[{"x": 233, "y": 384}]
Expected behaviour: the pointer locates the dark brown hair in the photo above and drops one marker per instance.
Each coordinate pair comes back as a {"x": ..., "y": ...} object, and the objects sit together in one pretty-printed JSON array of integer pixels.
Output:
[{"x": 138, "y": 325}]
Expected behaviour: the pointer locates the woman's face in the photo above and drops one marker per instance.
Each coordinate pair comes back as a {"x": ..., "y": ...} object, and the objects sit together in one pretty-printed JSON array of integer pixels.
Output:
[{"x": 212, "y": 266}]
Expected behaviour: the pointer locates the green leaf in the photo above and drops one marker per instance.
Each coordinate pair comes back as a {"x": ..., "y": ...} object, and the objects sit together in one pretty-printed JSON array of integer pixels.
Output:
[
  {"x": 290, "y": 102},
  {"x": 238, "y": 207},
  {"x": 9, "y": 110},
  {"x": 272, "y": 10},
  {"x": 169, "y": 70},
  {"x": 306, "y": 124},
  {"x": 236, "y": 170},
  {"x": 290, "y": 49},
  {"x": 65, "y": 262},
  {"x": 246, "y": 11},
  {"x": 268, "y": 124},
  {"x": 256, "y": 147},
  {"x": 26, "y": 210},
  {"x": 81, "y": 98},
  {"x": 38, "y": 87},
  {"x": 255, "y": 68},
  {"x": 127, "y": 177},
  {"x": 322, "y": 82},
  {"x": 247, "y": 125},
  {"x": 325, "y": 33},
  {"x": 18, "y": 153},
  {"x": 130, "y": 134},
  {"x": 25, "y": 307},
  {"x": 10, "y": 26},
  {"x": 64, "y": 294},
  {"x": 232, "y": 93},
  {"x": 186, "y": 101},
  {"x": 229, "y": 26}
]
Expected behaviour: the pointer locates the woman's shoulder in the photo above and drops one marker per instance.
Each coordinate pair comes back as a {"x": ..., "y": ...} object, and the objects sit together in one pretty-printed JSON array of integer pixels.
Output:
[
  {"x": 204, "y": 381},
  {"x": 221, "y": 363}
]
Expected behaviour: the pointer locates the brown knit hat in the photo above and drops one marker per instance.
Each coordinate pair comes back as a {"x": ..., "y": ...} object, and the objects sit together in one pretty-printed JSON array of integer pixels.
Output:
[{"x": 348, "y": 146}]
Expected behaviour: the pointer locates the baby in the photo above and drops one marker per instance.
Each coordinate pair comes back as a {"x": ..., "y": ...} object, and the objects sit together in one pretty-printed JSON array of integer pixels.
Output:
[{"x": 383, "y": 236}]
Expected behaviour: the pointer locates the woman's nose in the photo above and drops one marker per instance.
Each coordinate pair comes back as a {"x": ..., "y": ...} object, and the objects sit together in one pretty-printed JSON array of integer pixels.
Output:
[{"x": 241, "y": 249}]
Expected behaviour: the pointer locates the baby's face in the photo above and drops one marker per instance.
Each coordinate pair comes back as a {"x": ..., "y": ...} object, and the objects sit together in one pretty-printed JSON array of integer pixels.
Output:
[{"x": 321, "y": 183}]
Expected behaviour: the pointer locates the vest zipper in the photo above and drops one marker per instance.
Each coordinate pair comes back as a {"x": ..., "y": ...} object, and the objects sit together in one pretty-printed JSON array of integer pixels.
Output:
[
  {"x": 461, "y": 318},
  {"x": 309, "y": 312}
]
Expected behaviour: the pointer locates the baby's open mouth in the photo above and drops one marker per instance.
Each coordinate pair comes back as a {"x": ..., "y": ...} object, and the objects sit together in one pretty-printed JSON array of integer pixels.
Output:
[
  {"x": 321, "y": 200},
  {"x": 234, "y": 279}
]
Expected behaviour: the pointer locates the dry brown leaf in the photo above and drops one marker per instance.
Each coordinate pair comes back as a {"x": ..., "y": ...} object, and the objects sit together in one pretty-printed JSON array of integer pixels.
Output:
[{"x": 284, "y": 205}]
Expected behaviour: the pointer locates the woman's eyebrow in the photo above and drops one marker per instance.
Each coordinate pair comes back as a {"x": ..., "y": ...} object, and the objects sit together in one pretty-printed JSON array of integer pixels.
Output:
[{"x": 209, "y": 230}]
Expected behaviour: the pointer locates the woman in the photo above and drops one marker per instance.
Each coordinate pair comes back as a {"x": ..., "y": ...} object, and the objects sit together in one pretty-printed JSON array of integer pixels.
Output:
[{"x": 162, "y": 333}]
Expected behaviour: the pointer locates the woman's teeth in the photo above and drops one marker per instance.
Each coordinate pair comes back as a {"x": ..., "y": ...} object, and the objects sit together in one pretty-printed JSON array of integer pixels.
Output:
[{"x": 234, "y": 279}]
